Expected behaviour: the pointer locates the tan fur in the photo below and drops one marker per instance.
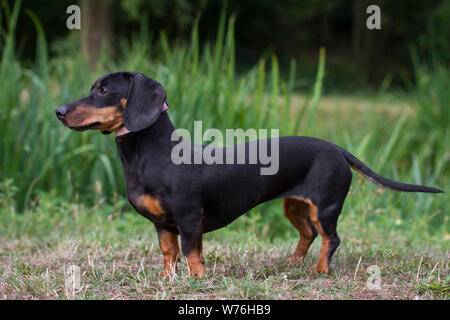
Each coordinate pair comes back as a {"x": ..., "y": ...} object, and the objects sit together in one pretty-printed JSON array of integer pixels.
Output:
[
  {"x": 297, "y": 211},
  {"x": 322, "y": 264},
  {"x": 123, "y": 102},
  {"x": 168, "y": 242},
  {"x": 151, "y": 204},
  {"x": 195, "y": 264},
  {"x": 110, "y": 118}
]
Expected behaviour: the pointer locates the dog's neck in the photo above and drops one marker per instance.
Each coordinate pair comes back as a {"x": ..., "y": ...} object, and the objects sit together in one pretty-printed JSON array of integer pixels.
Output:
[
  {"x": 156, "y": 140},
  {"x": 123, "y": 130}
]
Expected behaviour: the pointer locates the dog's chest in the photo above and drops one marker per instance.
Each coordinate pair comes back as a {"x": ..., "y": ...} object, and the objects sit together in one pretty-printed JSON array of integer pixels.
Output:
[{"x": 148, "y": 205}]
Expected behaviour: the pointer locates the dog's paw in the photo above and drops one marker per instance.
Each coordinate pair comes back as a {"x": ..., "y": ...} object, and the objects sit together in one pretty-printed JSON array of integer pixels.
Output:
[
  {"x": 197, "y": 271},
  {"x": 292, "y": 260}
]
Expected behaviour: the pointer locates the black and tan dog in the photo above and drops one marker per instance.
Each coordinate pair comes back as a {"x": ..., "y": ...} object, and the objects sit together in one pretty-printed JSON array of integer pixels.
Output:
[{"x": 191, "y": 199}]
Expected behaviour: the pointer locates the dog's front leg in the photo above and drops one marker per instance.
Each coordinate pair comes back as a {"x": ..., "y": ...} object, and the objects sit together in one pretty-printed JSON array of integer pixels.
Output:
[
  {"x": 191, "y": 245},
  {"x": 168, "y": 242}
]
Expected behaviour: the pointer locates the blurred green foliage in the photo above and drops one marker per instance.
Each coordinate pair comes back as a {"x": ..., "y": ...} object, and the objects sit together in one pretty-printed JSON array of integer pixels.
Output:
[
  {"x": 39, "y": 157},
  {"x": 287, "y": 28}
]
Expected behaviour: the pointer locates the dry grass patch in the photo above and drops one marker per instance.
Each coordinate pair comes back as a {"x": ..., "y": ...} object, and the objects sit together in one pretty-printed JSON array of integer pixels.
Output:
[{"x": 30, "y": 270}]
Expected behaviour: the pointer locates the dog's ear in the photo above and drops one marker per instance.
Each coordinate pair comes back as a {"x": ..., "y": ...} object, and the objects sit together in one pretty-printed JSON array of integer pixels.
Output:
[{"x": 145, "y": 102}]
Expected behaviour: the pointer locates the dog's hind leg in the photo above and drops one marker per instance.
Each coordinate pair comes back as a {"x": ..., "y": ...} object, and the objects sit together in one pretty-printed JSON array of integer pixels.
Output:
[
  {"x": 298, "y": 213},
  {"x": 326, "y": 222}
]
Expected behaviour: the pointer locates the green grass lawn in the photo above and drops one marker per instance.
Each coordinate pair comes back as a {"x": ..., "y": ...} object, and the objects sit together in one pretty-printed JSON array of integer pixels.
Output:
[{"x": 119, "y": 258}]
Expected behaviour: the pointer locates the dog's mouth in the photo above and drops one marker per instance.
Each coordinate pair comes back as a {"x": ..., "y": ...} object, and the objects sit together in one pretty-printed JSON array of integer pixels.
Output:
[
  {"x": 106, "y": 119},
  {"x": 87, "y": 127}
]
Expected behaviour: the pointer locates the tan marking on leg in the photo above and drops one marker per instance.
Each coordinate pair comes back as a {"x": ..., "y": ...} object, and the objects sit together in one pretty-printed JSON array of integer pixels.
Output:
[
  {"x": 195, "y": 263},
  {"x": 297, "y": 211},
  {"x": 168, "y": 243},
  {"x": 322, "y": 264},
  {"x": 151, "y": 204}
]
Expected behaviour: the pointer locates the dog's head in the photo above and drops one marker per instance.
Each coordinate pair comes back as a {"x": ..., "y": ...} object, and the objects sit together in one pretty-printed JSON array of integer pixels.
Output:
[{"x": 121, "y": 99}]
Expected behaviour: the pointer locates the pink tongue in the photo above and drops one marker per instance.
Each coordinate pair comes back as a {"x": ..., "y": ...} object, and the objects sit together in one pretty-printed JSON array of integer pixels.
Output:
[{"x": 124, "y": 130}]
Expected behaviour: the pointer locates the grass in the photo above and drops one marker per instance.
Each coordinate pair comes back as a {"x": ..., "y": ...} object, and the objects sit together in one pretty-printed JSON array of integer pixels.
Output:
[{"x": 119, "y": 258}]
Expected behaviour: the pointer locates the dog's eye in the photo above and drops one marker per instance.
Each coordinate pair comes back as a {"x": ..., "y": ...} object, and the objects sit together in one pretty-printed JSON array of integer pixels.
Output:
[{"x": 103, "y": 90}]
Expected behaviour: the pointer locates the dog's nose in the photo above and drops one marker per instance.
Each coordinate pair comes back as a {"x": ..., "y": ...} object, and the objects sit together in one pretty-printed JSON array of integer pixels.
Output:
[{"x": 61, "y": 112}]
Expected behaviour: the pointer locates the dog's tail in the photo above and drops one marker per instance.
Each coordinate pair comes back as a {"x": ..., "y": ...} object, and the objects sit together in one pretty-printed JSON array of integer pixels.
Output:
[{"x": 382, "y": 181}]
